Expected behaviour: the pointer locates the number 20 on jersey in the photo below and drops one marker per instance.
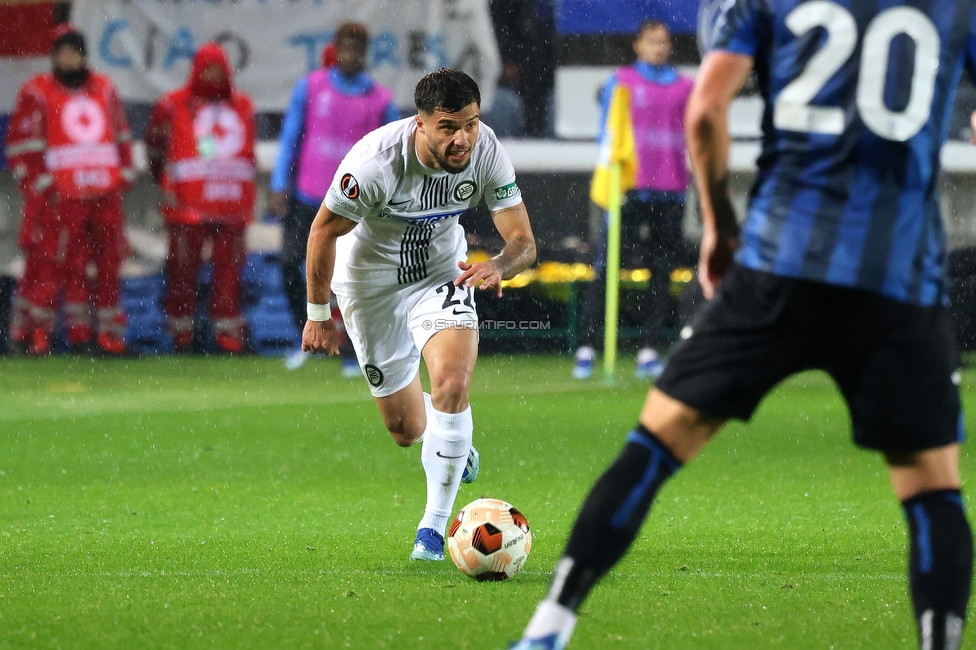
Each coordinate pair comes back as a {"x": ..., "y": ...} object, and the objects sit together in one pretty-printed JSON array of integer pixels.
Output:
[{"x": 792, "y": 110}]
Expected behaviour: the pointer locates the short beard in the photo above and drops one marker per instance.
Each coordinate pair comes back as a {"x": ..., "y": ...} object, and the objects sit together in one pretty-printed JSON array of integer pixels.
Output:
[
  {"x": 72, "y": 78},
  {"x": 446, "y": 165}
]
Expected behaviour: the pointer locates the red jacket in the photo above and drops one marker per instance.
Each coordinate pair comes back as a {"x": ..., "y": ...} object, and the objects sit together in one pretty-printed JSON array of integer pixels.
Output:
[
  {"x": 200, "y": 142},
  {"x": 76, "y": 141}
]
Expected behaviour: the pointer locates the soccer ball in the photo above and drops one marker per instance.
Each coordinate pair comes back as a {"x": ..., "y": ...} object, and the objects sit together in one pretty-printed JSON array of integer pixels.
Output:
[{"x": 489, "y": 540}]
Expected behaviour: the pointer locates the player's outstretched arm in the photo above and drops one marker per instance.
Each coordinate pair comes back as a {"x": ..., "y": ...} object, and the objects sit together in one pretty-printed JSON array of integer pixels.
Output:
[
  {"x": 517, "y": 255},
  {"x": 321, "y": 335},
  {"x": 707, "y": 132}
]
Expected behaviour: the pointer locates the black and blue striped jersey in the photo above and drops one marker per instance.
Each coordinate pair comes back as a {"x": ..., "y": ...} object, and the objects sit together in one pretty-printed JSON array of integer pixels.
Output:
[{"x": 858, "y": 96}]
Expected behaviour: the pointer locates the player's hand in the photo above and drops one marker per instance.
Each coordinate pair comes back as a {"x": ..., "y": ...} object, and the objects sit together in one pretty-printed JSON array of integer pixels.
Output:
[
  {"x": 320, "y": 337},
  {"x": 715, "y": 260},
  {"x": 485, "y": 272}
]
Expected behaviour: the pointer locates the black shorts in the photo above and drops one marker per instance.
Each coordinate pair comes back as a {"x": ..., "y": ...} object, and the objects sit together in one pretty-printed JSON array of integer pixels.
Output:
[{"x": 895, "y": 364}]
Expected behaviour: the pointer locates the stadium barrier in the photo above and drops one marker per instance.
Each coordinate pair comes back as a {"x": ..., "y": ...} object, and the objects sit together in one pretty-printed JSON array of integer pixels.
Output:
[{"x": 554, "y": 177}]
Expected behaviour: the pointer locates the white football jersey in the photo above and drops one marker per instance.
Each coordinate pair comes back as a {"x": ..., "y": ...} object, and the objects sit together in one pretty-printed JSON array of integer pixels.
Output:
[{"x": 407, "y": 213}]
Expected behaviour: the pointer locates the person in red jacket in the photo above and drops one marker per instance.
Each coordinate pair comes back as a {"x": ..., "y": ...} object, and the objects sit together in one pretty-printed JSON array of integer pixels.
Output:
[
  {"x": 69, "y": 146},
  {"x": 200, "y": 142}
]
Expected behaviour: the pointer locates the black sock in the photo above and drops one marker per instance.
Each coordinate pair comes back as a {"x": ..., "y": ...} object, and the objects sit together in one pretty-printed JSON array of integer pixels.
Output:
[
  {"x": 940, "y": 566},
  {"x": 611, "y": 516}
]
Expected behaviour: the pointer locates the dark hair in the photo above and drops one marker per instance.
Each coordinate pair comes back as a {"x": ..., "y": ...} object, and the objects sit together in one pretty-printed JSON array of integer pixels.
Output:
[
  {"x": 651, "y": 23},
  {"x": 446, "y": 89},
  {"x": 353, "y": 31},
  {"x": 67, "y": 35}
]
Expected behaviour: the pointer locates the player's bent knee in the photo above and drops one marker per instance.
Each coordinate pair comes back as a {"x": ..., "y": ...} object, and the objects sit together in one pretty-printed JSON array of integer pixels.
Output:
[
  {"x": 450, "y": 391},
  {"x": 913, "y": 473}
]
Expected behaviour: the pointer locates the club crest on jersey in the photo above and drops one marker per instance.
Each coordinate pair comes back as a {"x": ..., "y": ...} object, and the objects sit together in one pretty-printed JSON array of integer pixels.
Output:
[
  {"x": 350, "y": 188},
  {"x": 465, "y": 190},
  {"x": 373, "y": 374}
]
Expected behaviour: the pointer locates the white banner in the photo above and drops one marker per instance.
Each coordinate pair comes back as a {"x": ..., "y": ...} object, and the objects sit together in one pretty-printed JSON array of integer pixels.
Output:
[
  {"x": 146, "y": 45},
  {"x": 14, "y": 71}
]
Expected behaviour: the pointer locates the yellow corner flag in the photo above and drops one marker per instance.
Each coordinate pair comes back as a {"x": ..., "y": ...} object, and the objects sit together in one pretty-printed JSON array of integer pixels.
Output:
[
  {"x": 616, "y": 146},
  {"x": 616, "y": 173}
]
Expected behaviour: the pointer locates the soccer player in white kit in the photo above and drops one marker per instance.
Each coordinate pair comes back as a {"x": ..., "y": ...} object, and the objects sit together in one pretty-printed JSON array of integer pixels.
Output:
[{"x": 388, "y": 243}]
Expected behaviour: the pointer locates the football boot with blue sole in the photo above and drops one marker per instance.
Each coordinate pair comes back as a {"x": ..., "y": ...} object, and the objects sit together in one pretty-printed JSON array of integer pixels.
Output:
[
  {"x": 428, "y": 546},
  {"x": 472, "y": 467}
]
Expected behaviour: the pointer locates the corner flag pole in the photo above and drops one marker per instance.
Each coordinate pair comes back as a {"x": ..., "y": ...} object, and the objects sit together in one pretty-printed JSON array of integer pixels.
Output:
[{"x": 613, "y": 275}]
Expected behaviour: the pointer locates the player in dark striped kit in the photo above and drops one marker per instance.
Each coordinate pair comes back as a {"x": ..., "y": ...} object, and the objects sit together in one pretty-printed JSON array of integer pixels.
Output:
[{"x": 839, "y": 266}]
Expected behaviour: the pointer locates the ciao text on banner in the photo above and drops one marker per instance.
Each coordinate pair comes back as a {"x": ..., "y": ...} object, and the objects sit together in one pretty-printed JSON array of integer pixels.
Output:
[{"x": 147, "y": 45}]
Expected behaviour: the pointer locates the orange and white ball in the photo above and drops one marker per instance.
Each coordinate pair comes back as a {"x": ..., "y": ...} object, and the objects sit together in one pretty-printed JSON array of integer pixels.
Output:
[{"x": 489, "y": 539}]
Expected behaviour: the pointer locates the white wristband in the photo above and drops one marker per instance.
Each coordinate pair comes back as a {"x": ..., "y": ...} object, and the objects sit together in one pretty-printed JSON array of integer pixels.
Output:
[{"x": 318, "y": 313}]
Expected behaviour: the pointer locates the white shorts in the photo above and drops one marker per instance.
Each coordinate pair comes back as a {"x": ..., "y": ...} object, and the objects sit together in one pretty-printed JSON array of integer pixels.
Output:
[{"x": 390, "y": 329}]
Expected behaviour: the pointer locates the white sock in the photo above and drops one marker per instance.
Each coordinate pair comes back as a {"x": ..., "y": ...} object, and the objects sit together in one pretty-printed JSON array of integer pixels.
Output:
[
  {"x": 447, "y": 440},
  {"x": 551, "y": 618},
  {"x": 585, "y": 353},
  {"x": 646, "y": 355}
]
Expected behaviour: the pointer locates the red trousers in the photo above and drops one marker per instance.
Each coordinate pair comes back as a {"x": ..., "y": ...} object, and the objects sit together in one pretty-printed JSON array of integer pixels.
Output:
[
  {"x": 186, "y": 243},
  {"x": 59, "y": 240}
]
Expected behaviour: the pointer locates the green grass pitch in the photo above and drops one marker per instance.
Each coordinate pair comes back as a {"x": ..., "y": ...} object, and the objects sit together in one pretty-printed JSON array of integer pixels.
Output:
[{"x": 201, "y": 503}]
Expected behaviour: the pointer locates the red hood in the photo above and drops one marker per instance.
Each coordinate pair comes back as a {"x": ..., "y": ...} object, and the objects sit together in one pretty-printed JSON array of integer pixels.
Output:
[{"x": 209, "y": 54}]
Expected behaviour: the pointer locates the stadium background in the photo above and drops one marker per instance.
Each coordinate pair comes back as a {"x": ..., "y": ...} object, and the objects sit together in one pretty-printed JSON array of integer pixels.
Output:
[
  {"x": 565, "y": 48},
  {"x": 177, "y": 502}
]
